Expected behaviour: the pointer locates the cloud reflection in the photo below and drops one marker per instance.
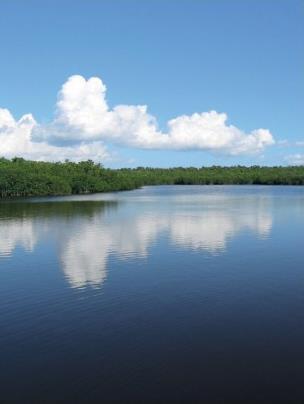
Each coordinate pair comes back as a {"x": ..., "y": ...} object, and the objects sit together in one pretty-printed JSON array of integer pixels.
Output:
[
  {"x": 17, "y": 232},
  {"x": 87, "y": 239},
  {"x": 85, "y": 254}
]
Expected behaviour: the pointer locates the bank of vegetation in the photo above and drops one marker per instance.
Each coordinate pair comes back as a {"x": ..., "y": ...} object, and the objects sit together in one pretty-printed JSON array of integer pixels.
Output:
[{"x": 19, "y": 177}]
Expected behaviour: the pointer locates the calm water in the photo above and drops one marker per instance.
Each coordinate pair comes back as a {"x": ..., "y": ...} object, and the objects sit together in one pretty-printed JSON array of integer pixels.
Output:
[{"x": 160, "y": 294}]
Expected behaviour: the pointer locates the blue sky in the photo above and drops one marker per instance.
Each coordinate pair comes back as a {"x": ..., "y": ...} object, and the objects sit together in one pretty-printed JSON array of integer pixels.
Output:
[{"x": 178, "y": 57}]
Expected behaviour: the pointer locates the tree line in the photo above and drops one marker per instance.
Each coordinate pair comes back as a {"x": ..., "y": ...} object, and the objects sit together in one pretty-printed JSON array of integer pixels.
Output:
[{"x": 19, "y": 177}]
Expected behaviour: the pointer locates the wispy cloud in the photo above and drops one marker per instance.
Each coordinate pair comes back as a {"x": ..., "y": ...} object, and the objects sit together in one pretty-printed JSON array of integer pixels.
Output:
[{"x": 295, "y": 159}]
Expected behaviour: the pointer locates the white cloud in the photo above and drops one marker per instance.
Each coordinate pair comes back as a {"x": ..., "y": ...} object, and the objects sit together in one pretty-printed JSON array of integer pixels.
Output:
[
  {"x": 295, "y": 159},
  {"x": 209, "y": 130},
  {"x": 84, "y": 119},
  {"x": 83, "y": 114},
  {"x": 16, "y": 140}
]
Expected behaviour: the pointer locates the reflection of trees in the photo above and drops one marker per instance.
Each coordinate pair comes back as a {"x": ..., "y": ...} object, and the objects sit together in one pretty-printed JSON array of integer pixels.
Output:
[
  {"x": 61, "y": 209},
  {"x": 23, "y": 223}
]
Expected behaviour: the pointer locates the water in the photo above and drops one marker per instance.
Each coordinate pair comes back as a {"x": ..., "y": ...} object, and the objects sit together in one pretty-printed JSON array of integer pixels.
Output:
[{"x": 156, "y": 295}]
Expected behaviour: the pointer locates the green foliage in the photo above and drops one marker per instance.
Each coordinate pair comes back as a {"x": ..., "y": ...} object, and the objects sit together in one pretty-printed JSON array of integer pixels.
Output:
[
  {"x": 19, "y": 177},
  {"x": 216, "y": 175}
]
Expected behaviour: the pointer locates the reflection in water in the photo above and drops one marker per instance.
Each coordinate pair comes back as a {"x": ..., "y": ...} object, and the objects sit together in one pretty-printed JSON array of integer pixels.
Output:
[
  {"x": 88, "y": 235},
  {"x": 85, "y": 253},
  {"x": 211, "y": 230},
  {"x": 83, "y": 258},
  {"x": 89, "y": 232},
  {"x": 16, "y": 232},
  {"x": 24, "y": 223}
]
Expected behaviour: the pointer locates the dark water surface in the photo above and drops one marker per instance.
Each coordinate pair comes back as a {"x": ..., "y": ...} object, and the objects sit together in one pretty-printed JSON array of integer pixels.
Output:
[{"x": 163, "y": 294}]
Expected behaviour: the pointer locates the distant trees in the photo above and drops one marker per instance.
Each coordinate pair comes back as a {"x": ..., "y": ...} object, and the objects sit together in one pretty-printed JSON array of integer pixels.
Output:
[
  {"x": 19, "y": 177},
  {"x": 217, "y": 175}
]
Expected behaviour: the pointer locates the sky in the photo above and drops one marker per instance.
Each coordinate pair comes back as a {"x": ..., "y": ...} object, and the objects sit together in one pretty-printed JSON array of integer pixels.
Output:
[{"x": 153, "y": 82}]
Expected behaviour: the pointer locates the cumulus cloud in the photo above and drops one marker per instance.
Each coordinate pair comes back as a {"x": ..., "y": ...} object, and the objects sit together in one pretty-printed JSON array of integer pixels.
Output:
[
  {"x": 84, "y": 120},
  {"x": 16, "y": 140}
]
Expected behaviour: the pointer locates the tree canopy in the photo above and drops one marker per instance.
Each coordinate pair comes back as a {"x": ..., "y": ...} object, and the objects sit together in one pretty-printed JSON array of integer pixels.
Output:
[{"x": 19, "y": 177}]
